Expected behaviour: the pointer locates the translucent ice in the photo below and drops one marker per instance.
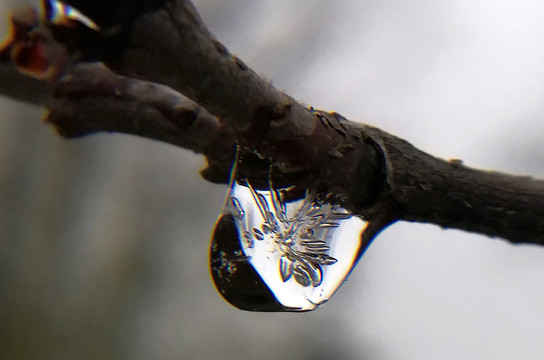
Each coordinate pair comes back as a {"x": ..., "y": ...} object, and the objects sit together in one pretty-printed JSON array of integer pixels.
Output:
[{"x": 272, "y": 253}]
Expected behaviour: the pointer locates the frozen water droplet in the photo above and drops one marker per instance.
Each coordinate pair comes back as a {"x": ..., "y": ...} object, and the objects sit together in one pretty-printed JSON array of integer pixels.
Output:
[
  {"x": 280, "y": 249},
  {"x": 294, "y": 255}
]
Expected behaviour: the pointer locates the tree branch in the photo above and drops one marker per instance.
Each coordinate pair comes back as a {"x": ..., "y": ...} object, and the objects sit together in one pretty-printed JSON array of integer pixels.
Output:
[
  {"x": 90, "y": 98},
  {"x": 372, "y": 173},
  {"x": 455, "y": 196}
]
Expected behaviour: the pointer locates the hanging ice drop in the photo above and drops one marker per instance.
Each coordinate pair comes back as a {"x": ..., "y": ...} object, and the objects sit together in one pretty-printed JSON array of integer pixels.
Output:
[{"x": 272, "y": 254}]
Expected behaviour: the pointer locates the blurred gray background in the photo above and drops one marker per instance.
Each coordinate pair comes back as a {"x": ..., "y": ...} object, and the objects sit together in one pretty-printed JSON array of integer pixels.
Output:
[{"x": 104, "y": 240}]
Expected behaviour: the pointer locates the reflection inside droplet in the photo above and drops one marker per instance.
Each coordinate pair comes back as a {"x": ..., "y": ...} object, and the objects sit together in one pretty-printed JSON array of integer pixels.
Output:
[{"x": 292, "y": 255}]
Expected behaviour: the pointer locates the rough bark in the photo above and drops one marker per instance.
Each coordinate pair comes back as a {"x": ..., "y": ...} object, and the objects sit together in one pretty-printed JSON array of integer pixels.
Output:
[{"x": 160, "y": 50}]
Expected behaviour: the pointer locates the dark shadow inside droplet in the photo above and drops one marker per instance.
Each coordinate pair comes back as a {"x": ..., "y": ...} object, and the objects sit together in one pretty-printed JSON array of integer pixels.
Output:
[
  {"x": 251, "y": 166},
  {"x": 262, "y": 174},
  {"x": 233, "y": 275}
]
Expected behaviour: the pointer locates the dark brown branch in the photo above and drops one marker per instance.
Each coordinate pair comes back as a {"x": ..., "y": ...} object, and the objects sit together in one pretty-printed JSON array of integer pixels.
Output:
[
  {"x": 304, "y": 145},
  {"x": 374, "y": 174},
  {"x": 194, "y": 63},
  {"x": 90, "y": 98},
  {"x": 455, "y": 196}
]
